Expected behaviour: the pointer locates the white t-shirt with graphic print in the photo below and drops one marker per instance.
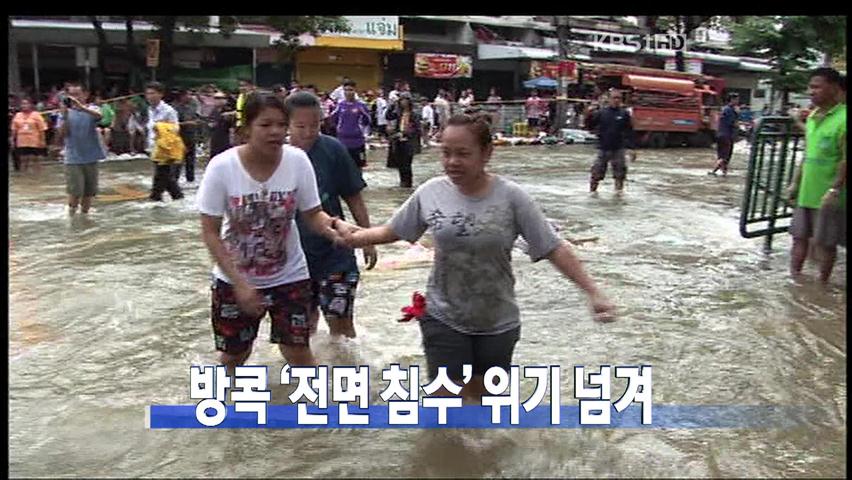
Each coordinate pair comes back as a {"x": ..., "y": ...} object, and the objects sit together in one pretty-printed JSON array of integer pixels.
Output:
[{"x": 259, "y": 228}]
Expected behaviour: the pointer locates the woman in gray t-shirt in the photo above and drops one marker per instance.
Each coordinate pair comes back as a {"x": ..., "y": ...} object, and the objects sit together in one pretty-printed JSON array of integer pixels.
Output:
[{"x": 471, "y": 313}]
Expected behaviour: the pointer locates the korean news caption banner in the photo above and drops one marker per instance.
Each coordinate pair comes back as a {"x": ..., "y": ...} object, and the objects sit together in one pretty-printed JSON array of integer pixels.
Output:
[{"x": 337, "y": 397}]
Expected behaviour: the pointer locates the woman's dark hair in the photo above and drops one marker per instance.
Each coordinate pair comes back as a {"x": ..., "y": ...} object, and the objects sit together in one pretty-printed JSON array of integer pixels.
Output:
[
  {"x": 257, "y": 102},
  {"x": 478, "y": 124},
  {"x": 300, "y": 99},
  {"x": 156, "y": 86},
  {"x": 408, "y": 100}
]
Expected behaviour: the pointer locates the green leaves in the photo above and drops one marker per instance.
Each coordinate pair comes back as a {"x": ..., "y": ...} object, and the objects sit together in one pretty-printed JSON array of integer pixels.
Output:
[{"x": 791, "y": 43}]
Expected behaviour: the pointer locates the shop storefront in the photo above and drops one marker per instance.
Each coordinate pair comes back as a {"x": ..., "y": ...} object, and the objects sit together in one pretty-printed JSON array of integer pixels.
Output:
[{"x": 358, "y": 54}]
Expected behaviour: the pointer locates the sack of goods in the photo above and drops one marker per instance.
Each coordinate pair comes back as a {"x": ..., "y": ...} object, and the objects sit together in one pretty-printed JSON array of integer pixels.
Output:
[{"x": 169, "y": 147}]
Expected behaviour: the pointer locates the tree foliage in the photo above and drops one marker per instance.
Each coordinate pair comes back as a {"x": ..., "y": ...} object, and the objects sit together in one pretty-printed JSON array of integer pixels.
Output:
[
  {"x": 289, "y": 29},
  {"x": 681, "y": 25},
  {"x": 791, "y": 44}
]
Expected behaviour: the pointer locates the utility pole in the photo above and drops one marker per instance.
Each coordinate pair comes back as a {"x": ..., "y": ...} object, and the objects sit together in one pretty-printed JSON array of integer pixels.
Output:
[
  {"x": 14, "y": 68},
  {"x": 562, "y": 29}
]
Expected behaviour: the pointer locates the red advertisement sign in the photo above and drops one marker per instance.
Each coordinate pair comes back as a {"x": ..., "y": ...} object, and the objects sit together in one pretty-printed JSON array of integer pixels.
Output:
[
  {"x": 439, "y": 65},
  {"x": 553, "y": 70}
]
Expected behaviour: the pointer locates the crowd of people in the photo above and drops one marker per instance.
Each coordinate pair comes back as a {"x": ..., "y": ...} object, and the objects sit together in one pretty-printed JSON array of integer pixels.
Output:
[
  {"x": 282, "y": 161},
  {"x": 272, "y": 219},
  {"x": 266, "y": 264}
]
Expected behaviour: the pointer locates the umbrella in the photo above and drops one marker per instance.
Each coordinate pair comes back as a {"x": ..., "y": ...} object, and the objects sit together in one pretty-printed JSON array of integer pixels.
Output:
[{"x": 541, "y": 82}]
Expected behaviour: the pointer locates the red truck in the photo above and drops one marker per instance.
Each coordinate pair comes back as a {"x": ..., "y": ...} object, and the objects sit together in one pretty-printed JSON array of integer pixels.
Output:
[{"x": 670, "y": 109}]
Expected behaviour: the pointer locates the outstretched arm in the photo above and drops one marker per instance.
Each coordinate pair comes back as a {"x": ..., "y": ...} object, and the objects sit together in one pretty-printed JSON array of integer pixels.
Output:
[
  {"x": 322, "y": 224},
  {"x": 568, "y": 264},
  {"x": 361, "y": 237},
  {"x": 362, "y": 218}
]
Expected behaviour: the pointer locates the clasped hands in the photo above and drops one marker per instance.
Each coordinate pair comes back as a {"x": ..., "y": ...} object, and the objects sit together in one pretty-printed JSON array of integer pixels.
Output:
[{"x": 343, "y": 234}]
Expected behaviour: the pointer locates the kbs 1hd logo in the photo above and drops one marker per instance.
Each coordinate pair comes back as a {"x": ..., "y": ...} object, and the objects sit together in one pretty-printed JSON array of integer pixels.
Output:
[{"x": 640, "y": 42}]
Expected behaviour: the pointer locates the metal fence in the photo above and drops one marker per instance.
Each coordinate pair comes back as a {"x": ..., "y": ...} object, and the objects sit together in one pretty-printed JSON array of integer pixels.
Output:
[
  {"x": 776, "y": 151},
  {"x": 506, "y": 114}
]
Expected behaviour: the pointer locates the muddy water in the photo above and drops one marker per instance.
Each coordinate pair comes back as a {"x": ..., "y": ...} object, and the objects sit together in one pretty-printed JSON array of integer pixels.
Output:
[{"x": 109, "y": 311}]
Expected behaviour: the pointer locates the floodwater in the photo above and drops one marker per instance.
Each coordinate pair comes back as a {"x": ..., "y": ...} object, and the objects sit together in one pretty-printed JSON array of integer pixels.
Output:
[{"x": 108, "y": 313}]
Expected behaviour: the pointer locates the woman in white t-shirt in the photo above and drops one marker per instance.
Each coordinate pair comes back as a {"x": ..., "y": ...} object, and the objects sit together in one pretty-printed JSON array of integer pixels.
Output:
[{"x": 248, "y": 199}]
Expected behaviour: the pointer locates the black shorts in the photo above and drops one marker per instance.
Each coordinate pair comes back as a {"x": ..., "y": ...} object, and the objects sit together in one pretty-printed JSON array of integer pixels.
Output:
[
  {"x": 446, "y": 347},
  {"x": 724, "y": 148},
  {"x": 359, "y": 155},
  {"x": 234, "y": 331},
  {"x": 534, "y": 122},
  {"x": 31, "y": 151},
  {"x": 335, "y": 294}
]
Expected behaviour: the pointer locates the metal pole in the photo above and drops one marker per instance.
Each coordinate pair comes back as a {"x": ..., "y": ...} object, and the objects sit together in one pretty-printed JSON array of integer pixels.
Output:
[
  {"x": 254, "y": 66},
  {"x": 35, "y": 70},
  {"x": 561, "y": 104}
]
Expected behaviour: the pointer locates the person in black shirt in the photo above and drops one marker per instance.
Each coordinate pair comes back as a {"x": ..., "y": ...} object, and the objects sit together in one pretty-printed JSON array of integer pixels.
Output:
[
  {"x": 615, "y": 135},
  {"x": 221, "y": 122},
  {"x": 187, "y": 109}
]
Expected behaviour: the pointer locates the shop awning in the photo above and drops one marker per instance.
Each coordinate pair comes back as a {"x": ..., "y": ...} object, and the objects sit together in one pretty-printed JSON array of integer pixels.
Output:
[
  {"x": 501, "y": 52},
  {"x": 657, "y": 83},
  {"x": 75, "y": 33}
]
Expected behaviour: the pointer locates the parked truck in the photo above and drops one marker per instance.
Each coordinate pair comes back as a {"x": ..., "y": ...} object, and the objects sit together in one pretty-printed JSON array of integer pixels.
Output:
[{"x": 669, "y": 109}]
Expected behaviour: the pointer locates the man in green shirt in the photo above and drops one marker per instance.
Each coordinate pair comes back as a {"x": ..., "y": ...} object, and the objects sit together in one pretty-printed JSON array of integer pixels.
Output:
[{"x": 819, "y": 186}]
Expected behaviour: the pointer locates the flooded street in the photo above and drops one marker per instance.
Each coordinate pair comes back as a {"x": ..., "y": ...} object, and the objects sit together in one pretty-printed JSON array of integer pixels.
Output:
[{"x": 108, "y": 313}]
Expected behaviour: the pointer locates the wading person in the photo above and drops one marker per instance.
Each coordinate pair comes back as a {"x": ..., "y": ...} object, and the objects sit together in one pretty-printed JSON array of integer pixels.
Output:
[
  {"x": 246, "y": 87},
  {"x": 257, "y": 189},
  {"x": 726, "y": 135},
  {"x": 471, "y": 314},
  {"x": 83, "y": 148},
  {"x": 442, "y": 110},
  {"x": 161, "y": 144},
  {"x": 819, "y": 185},
  {"x": 187, "y": 109},
  {"x": 381, "y": 112},
  {"x": 350, "y": 118},
  {"x": 615, "y": 133},
  {"x": 534, "y": 108},
  {"x": 121, "y": 128},
  {"x": 427, "y": 121},
  {"x": 333, "y": 269},
  {"x": 221, "y": 125},
  {"x": 29, "y": 134},
  {"x": 404, "y": 140}
]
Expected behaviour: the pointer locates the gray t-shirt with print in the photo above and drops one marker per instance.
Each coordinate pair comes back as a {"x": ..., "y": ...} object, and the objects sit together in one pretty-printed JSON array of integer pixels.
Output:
[{"x": 471, "y": 287}]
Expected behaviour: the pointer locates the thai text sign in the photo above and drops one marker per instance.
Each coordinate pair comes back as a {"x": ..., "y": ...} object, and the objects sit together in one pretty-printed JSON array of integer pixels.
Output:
[
  {"x": 438, "y": 65},
  {"x": 375, "y": 28}
]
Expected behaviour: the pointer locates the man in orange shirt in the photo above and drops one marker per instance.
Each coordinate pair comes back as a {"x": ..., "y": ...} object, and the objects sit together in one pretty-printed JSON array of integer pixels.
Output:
[{"x": 28, "y": 131}]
